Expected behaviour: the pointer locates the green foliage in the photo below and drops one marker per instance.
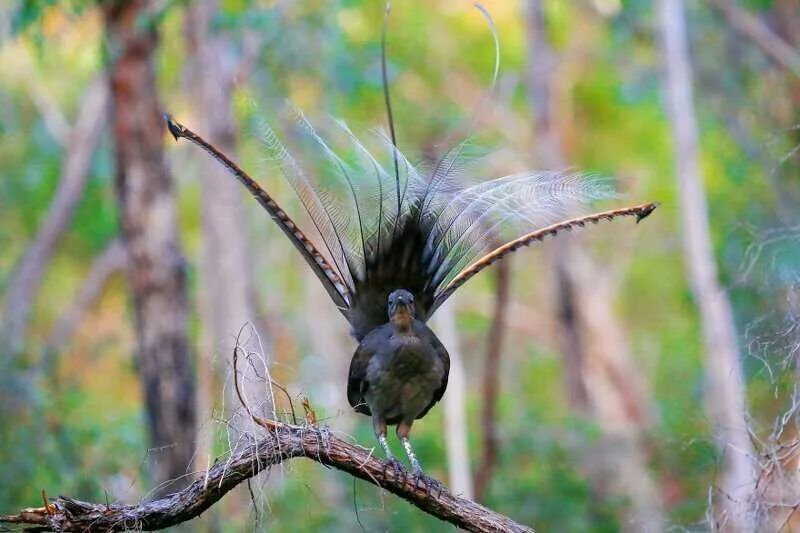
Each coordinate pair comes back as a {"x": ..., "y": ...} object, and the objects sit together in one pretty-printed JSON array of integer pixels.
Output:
[{"x": 29, "y": 12}]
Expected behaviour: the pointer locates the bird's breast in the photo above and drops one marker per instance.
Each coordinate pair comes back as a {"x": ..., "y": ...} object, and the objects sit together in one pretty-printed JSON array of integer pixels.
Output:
[{"x": 410, "y": 356}]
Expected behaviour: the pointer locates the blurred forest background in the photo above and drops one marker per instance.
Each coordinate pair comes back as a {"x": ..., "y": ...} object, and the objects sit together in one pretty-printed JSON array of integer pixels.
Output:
[{"x": 629, "y": 377}]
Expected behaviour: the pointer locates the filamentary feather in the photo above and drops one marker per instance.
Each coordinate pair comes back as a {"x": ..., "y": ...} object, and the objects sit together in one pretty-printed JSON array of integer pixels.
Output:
[
  {"x": 397, "y": 241},
  {"x": 417, "y": 230},
  {"x": 398, "y": 245}
]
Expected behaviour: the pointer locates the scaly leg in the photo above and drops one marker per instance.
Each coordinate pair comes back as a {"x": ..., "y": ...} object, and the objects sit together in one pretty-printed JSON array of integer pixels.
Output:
[
  {"x": 403, "y": 430},
  {"x": 380, "y": 432}
]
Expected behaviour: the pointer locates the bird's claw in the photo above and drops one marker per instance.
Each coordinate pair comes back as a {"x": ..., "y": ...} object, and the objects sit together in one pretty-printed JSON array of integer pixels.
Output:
[
  {"x": 429, "y": 484},
  {"x": 398, "y": 470}
]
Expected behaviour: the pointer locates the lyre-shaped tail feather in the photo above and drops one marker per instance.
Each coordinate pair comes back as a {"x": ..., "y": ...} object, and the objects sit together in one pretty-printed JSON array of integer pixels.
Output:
[
  {"x": 329, "y": 277},
  {"x": 638, "y": 211}
]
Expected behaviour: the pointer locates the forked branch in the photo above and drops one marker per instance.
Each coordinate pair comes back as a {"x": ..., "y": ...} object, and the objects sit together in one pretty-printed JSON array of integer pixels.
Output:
[{"x": 281, "y": 442}]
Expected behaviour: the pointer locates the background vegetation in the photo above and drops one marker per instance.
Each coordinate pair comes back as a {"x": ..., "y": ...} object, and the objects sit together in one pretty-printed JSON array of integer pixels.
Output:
[{"x": 74, "y": 420}]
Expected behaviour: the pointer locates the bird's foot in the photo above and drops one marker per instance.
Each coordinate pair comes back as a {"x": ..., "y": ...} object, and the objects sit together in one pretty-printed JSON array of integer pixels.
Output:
[
  {"x": 428, "y": 483},
  {"x": 398, "y": 469}
]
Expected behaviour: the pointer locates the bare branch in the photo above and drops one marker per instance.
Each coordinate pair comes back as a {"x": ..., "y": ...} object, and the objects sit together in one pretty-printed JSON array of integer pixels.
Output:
[
  {"x": 759, "y": 33},
  {"x": 48, "y": 107},
  {"x": 28, "y": 274},
  {"x": 281, "y": 443},
  {"x": 110, "y": 261}
]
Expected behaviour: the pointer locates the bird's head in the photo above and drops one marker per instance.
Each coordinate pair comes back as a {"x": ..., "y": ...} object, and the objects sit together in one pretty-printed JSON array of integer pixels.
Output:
[{"x": 401, "y": 308}]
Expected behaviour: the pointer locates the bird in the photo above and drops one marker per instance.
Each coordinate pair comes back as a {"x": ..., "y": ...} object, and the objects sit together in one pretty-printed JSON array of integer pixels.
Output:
[
  {"x": 398, "y": 239},
  {"x": 398, "y": 372}
]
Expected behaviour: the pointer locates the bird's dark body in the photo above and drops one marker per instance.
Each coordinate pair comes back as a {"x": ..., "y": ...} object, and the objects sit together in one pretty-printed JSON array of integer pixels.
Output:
[{"x": 397, "y": 376}]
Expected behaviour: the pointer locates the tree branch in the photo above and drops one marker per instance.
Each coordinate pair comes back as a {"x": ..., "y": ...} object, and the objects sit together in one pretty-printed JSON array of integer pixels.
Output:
[
  {"x": 282, "y": 442},
  {"x": 110, "y": 261},
  {"x": 775, "y": 48},
  {"x": 24, "y": 283}
]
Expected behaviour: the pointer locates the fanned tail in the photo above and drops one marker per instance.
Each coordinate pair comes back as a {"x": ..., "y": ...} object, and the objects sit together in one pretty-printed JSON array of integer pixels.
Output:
[
  {"x": 426, "y": 252},
  {"x": 386, "y": 225},
  {"x": 638, "y": 211},
  {"x": 327, "y": 274}
]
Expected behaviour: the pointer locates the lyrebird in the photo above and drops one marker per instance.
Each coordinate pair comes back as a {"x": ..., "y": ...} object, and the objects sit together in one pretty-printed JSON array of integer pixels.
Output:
[{"x": 398, "y": 242}]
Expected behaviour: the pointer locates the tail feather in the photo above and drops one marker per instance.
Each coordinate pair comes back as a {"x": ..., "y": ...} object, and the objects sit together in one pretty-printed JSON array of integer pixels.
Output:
[
  {"x": 434, "y": 243},
  {"x": 639, "y": 211},
  {"x": 388, "y": 102},
  {"x": 325, "y": 272},
  {"x": 328, "y": 219}
]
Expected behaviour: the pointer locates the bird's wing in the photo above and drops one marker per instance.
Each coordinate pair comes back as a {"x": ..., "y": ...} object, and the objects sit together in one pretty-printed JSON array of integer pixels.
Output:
[
  {"x": 638, "y": 211},
  {"x": 329, "y": 276},
  {"x": 441, "y": 353},
  {"x": 356, "y": 378}
]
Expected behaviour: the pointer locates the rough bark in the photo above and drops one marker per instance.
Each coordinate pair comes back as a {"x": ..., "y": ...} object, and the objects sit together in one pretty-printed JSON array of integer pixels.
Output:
[
  {"x": 281, "y": 442},
  {"x": 156, "y": 267},
  {"x": 592, "y": 341},
  {"x": 24, "y": 283},
  {"x": 725, "y": 394},
  {"x": 491, "y": 381}
]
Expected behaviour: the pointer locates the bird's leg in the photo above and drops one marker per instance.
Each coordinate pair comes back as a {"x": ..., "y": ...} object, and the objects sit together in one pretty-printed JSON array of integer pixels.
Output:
[
  {"x": 411, "y": 456},
  {"x": 380, "y": 432},
  {"x": 403, "y": 430}
]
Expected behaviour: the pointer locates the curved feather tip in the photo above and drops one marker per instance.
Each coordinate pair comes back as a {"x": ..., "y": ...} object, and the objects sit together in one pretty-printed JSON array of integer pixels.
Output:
[
  {"x": 645, "y": 212},
  {"x": 174, "y": 128}
]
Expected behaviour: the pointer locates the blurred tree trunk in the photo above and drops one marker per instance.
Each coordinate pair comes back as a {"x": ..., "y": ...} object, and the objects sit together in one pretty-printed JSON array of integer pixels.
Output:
[
  {"x": 788, "y": 18},
  {"x": 156, "y": 267},
  {"x": 225, "y": 265},
  {"x": 455, "y": 404},
  {"x": 491, "y": 380},
  {"x": 548, "y": 154},
  {"x": 725, "y": 393},
  {"x": 601, "y": 377}
]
